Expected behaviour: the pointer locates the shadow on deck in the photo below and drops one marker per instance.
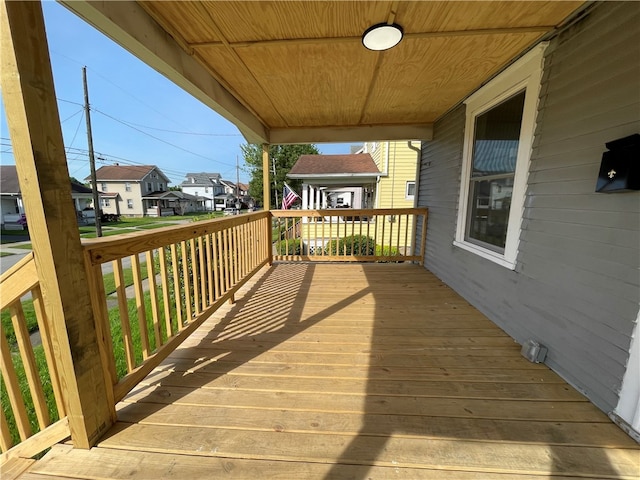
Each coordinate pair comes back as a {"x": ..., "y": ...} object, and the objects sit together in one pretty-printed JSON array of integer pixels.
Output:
[{"x": 350, "y": 371}]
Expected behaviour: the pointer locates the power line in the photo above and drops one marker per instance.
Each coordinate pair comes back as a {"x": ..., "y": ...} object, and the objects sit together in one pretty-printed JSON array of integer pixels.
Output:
[{"x": 159, "y": 139}]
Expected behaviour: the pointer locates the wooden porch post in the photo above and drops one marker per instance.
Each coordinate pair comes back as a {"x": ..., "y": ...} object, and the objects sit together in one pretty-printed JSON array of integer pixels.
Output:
[
  {"x": 266, "y": 195},
  {"x": 32, "y": 116},
  {"x": 266, "y": 183}
]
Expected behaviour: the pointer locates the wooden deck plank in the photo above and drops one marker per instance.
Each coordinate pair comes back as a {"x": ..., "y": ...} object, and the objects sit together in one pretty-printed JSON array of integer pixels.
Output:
[
  {"x": 390, "y": 451},
  {"x": 406, "y": 373},
  {"x": 107, "y": 464},
  {"x": 386, "y": 373},
  {"x": 364, "y": 386},
  {"x": 575, "y": 411},
  {"x": 12, "y": 469},
  {"x": 547, "y": 433}
]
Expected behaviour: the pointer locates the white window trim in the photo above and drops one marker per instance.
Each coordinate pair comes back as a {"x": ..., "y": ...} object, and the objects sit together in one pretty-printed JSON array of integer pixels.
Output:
[
  {"x": 406, "y": 190},
  {"x": 525, "y": 73}
]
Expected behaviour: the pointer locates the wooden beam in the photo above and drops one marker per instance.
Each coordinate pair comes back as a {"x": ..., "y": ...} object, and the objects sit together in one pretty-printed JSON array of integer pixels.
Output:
[
  {"x": 358, "y": 39},
  {"x": 364, "y": 133},
  {"x": 129, "y": 25},
  {"x": 266, "y": 184},
  {"x": 34, "y": 125}
]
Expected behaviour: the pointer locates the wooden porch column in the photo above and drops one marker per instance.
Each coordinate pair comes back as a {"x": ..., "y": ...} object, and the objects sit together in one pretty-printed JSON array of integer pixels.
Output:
[
  {"x": 266, "y": 184},
  {"x": 32, "y": 116}
]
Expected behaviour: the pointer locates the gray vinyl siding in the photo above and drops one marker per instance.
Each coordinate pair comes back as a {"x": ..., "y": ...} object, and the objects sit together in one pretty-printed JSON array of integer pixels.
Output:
[{"x": 576, "y": 284}]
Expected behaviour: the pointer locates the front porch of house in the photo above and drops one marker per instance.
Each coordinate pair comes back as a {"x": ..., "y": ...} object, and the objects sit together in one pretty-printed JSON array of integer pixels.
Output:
[{"x": 350, "y": 371}]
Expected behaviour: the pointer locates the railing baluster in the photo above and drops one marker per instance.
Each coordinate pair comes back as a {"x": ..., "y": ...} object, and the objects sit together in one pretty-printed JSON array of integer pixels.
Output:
[
  {"x": 123, "y": 307},
  {"x": 29, "y": 362},
  {"x": 177, "y": 291},
  {"x": 47, "y": 343},
  {"x": 153, "y": 293},
  {"x": 194, "y": 276},
  {"x": 227, "y": 265},
  {"x": 6, "y": 442},
  {"x": 166, "y": 300},
  {"x": 203, "y": 276},
  {"x": 140, "y": 309},
  {"x": 13, "y": 388},
  {"x": 215, "y": 240},
  {"x": 187, "y": 285},
  {"x": 209, "y": 247}
]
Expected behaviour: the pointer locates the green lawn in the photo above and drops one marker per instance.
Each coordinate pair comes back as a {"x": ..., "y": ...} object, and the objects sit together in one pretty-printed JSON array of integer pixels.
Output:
[{"x": 5, "y": 254}]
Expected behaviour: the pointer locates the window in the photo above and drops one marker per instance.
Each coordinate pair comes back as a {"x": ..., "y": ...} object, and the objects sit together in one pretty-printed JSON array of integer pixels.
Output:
[
  {"x": 161, "y": 187},
  {"x": 129, "y": 203},
  {"x": 103, "y": 187},
  {"x": 105, "y": 202},
  {"x": 149, "y": 187},
  {"x": 410, "y": 190},
  {"x": 498, "y": 138},
  {"x": 127, "y": 186}
]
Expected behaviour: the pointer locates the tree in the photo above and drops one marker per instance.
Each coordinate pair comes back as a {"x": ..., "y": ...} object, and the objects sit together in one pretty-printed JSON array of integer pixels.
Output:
[{"x": 284, "y": 157}]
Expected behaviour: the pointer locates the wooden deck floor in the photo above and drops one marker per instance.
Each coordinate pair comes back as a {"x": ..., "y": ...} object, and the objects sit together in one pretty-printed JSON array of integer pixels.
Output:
[{"x": 351, "y": 372}]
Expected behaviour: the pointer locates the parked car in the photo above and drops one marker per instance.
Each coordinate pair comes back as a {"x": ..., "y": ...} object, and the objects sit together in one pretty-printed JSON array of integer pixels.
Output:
[{"x": 230, "y": 211}]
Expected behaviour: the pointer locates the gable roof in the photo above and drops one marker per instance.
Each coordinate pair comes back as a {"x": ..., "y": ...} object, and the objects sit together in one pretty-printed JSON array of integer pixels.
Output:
[
  {"x": 170, "y": 195},
  {"x": 201, "y": 178},
  {"x": 9, "y": 184},
  {"x": 133, "y": 173},
  {"x": 351, "y": 164}
]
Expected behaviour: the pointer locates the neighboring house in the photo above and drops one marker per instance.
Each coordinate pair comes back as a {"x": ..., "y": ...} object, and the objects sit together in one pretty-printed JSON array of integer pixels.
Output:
[
  {"x": 515, "y": 224},
  {"x": 129, "y": 190},
  {"x": 397, "y": 162},
  {"x": 378, "y": 175},
  {"x": 205, "y": 187},
  {"x": 336, "y": 181},
  {"x": 176, "y": 201},
  {"x": 11, "y": 207}
]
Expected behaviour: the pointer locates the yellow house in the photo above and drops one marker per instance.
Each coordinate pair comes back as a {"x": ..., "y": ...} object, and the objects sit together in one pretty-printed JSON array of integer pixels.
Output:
[
  {"x": 396, "y": 186},
  {"x": 379, "y": 175}
]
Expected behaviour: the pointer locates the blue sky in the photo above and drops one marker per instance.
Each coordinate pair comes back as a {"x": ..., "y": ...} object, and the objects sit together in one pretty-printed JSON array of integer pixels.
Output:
[{"x": 138, "y": 116}]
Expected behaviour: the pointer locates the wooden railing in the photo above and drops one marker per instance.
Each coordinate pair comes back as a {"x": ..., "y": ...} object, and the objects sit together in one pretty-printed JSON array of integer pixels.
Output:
[
  {"x": 28, "y": 371},
  {"x": 347, "y": 235},
  {"x": 190, "y": 270},
  {"x": 150, "y": 290}
]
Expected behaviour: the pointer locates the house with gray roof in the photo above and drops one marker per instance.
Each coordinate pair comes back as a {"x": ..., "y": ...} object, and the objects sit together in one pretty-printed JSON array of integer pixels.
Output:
[
  {"x": 128, "y": 190},
  {"x": 205, "y": 187}
]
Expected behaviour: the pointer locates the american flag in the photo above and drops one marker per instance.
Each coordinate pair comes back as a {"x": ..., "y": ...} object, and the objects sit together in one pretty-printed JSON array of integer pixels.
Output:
[{"x": 288, "y": 197}]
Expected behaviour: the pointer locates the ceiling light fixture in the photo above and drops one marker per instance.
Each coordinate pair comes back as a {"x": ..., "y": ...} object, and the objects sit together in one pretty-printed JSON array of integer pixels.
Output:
[{"x": 382, "y": 36}]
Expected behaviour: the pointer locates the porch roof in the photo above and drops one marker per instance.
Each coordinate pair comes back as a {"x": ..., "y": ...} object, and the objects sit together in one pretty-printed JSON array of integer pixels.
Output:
[{"x": 297, "y": 72}]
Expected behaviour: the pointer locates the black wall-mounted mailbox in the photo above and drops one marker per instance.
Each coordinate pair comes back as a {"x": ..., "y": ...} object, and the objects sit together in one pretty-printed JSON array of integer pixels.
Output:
[{"x": 620, "y": 167}]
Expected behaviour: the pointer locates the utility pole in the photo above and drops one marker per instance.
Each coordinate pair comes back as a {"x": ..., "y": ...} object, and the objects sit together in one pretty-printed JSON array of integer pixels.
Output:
[
  {"x": 275, "y": 186},
  {"x": 92, "y": 160},
  {"x": 237, "y": 184}
]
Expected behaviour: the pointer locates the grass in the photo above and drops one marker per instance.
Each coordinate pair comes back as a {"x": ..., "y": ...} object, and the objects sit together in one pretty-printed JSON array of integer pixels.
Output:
[
  {"x": 5, "y": 254},
  {"x": 25, "y": 246},
  {"x": 127, "y": 274},
  {"x": 14, "y": 233},
  {"x": 109, "y": 233}
]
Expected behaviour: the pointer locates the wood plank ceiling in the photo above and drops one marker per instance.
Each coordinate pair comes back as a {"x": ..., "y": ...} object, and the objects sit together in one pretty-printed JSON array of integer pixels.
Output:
[{"x": 296, "y": 71}]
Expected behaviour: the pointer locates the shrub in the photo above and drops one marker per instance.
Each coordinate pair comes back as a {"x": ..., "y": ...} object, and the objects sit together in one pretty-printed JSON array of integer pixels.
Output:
[
  {"x": 289, "y": 247},
  {"x": 351, "y": 245},
  {"x": 387, "y": 251}
]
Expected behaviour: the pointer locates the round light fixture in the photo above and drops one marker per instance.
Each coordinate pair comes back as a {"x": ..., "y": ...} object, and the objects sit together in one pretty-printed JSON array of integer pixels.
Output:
[{"x": 382, "y": 36}]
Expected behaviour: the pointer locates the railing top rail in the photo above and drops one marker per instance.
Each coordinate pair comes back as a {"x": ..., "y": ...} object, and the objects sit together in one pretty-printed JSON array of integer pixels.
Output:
[
  {"x": 348, "y": 212},
  {"x": 106, "y": 249},
  {"x": 18, "y": 280}
]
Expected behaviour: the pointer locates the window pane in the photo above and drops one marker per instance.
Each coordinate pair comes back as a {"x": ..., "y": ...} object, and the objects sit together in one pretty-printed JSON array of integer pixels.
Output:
[
  {"x": 496, "y": 138},
  {"x": 489, "y": 202}
]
